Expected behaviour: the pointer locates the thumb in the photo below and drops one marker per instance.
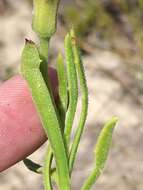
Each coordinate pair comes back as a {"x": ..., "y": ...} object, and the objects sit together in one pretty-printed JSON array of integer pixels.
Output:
[{"x": 21, "y": 132}]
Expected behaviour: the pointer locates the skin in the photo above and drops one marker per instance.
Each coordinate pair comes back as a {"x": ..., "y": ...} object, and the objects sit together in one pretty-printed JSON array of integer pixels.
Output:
[{"x": 21, "y": 132}]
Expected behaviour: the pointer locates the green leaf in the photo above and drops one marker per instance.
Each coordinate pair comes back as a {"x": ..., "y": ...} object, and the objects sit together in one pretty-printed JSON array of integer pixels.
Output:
[
  {"x": 84, "y": 90},
  {"x": 46, "y": 110},
  {"x": 62, "y": 83},
  {"x": 103, "y": 143},
  {"x": 101, "y": 152},
  {"x": 72, "y": 87}
]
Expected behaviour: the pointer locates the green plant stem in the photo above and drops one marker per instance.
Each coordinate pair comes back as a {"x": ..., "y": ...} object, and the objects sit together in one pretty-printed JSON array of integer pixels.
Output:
[
  {"x": 91, "y": 179},
  {"x": 44, "y": 105},
  {"x": 49, "y": 173},
  {"x": 47, "y": 169},
  {"x": 84, "y": 90},
  {"x": 44, "y": 51}
]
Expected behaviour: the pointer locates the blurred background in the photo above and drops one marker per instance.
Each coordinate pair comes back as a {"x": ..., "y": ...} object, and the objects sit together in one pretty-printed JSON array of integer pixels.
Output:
[{"x": 111, "y": 39}]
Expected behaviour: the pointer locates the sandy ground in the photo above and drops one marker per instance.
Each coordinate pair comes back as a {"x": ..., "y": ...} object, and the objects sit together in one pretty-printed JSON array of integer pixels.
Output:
[{"x": 106, "y": 76}]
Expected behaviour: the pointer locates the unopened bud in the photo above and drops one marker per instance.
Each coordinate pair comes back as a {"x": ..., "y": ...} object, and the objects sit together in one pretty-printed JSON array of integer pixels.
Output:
[{"x": 45, "y": 17}]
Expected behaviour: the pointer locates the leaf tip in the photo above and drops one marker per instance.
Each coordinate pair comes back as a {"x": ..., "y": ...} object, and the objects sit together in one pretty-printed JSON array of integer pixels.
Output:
[
  {"x": 114, "y": 120},
  {"x": 28, "y": 41}
]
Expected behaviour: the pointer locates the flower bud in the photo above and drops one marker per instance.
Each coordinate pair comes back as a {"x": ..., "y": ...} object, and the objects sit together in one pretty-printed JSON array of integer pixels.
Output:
[{"x": 45, "y": 17}]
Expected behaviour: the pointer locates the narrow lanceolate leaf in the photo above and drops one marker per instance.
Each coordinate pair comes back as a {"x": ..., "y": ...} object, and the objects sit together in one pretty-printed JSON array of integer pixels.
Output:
[
  {"x": 101, "y": 152},
  {"x": 44, "y": 105},
  {"x": 34, "y": 167},
  {"x": 82, "y": 79},
  {"x": 72, "y": 87},
  {"x": 62, "y": 83}
]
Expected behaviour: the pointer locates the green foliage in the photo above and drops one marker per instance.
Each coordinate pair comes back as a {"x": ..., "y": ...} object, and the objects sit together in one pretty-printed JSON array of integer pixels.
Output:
[
  {"x": 63, "y": 91},
  {"x": 101, "y": 152},
  {"x": 72, "y": 87},
  {"x": 57, "y": 119},
  {"x": 44, "y": 104},
  {"x": 82, "y": 80}
]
